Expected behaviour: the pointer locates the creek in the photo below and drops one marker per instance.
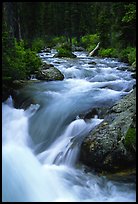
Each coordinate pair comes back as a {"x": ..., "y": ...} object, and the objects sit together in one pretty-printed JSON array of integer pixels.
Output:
[{"x": 41, "y": 144}]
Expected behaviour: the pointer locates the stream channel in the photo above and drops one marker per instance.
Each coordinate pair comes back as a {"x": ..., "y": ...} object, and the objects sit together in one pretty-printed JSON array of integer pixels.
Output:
[{"x": 41, "y": 144}]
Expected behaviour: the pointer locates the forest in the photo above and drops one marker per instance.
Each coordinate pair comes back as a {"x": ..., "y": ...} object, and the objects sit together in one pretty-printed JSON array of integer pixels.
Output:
[{"x": 27, "y": 27}]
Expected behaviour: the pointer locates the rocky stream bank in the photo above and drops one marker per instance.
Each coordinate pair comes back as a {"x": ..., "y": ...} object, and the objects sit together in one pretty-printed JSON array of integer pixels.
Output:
[{"x": 111, "y": 146}]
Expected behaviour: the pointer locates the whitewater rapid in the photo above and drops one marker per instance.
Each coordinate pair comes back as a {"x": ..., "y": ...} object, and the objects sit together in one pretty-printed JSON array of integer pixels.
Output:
[{"x": 41, "y": 144}]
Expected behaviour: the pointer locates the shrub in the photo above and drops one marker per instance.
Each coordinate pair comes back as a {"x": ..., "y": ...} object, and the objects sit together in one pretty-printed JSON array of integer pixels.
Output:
[
  {"x": 19, "y": 62},
  {"x": 64, "y": 53},
  {"x": 58, "y": 40},
  {"x": 132, "y": 55},
  {"x": 109, "y": 52},
  {"x": 128, "y": 55},
  {"x": 32, "y": 62},
  {"x": 37, "y": 45},
  {"x": 89, "y": 42},
  {"x": 65, "y": 50},
  {"x": 74, "y": 41}
]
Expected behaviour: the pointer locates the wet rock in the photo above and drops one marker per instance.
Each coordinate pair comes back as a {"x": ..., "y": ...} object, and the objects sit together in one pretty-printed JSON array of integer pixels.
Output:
[
  {"x": 94, "y": 112},
  {"x": 17, "y": 84},
  {"x": 128, "y": 175},
  {"x": 122, "y": 68},
  {"x": 77, "y": 48},
  {"x": 68, "y": 55},
  {"x": 94, "y": 63},
  {"x": 46, "y": 66},
  {"x": 49, "y": 73},
  {"x": 129, "y": 68},
  {"x": 5, "y": 92},
  {"x": 105, "y": 147},
  {"x": 134, "y": 75}
]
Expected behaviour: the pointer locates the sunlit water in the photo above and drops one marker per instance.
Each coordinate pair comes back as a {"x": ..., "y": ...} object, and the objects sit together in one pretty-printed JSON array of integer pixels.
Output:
[{"x": 41, "y": 145}]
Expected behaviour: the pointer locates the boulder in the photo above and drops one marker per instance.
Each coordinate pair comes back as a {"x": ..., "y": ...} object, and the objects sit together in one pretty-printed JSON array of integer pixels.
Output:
[
  {"x": 67, "y": 54},
  {"x": 111, "y": 145},
  {"x": 49, "y": 73},
  {"x": 78, "y": 48}
]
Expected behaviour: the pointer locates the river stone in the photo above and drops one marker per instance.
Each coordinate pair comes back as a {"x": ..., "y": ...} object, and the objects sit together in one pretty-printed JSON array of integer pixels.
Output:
[
  {"x": 104, "y": 148},
  {"x": 92, "y": 62},
  {"x": 94, "y": 112},
  {"x": 49, "y": 73}
]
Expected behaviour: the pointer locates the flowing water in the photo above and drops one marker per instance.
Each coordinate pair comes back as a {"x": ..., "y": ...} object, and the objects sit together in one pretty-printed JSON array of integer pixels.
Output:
[{"x": 41, "y": 143}]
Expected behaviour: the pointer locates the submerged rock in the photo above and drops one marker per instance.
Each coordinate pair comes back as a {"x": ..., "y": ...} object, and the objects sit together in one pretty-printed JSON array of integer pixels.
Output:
[{"x": 111, "y": 146}]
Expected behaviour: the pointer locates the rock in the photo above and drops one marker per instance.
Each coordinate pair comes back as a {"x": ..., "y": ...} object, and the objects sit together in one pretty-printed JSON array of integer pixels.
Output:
[
  {"x": 132, "y": 68},
  {"x": 17, "y": 84},
  {"x": 128, "y": 175},
  {"x": 122, "y": 68},
  {"x": 94, "y": 112},
  {"x": 129, "y": 68},
  {"x": 47, "y": 49},
  {"x": 68, "y": 55},
  {"x": 5, "y": 92},
  {"x": 105, "y": 149},
  {"x": 46, "y": 66},
  {"x": 134, "y": 75},
  {"x": 92, "y": 62},
  {"x": 78, "y": 48},
  {"x": 49, "y": 73},
  {"x": 134, "y": 64}
]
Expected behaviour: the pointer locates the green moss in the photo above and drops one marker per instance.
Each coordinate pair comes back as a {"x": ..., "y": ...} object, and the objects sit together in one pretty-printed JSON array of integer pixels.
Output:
[{"x": 130, "y": 139}]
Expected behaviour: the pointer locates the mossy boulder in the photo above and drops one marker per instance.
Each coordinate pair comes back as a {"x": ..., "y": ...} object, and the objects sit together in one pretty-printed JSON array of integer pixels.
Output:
[
  {"x": 65, "y": 53},
  {"x": 111, "y": 145},
  {"x": 64, "y": 50}
]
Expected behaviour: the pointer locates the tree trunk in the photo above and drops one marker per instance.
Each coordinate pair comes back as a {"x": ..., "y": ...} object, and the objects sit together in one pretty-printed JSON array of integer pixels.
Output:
[{"x": 19, "y": 29}]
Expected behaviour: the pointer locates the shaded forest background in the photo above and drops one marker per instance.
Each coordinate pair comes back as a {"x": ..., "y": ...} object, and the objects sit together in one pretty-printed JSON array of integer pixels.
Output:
[{"x": 27, "y": 27}]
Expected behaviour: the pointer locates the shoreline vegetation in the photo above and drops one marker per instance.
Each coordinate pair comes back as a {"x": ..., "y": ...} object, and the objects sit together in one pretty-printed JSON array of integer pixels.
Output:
[
  {"x": 28, "y": 28},
  {"x": 21, "y": 61}
]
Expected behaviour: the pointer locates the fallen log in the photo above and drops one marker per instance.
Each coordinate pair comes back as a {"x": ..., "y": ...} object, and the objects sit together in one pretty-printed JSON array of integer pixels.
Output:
[{"x": 93, "y": 51}]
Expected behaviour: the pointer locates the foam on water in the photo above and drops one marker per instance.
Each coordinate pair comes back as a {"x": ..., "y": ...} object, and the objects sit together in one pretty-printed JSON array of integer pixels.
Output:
[{"x": 40, "y": 145}]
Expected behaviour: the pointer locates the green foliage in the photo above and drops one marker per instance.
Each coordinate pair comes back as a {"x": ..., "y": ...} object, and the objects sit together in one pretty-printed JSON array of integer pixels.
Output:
[
  {"x": 32, "y": 62},
  {"x": 58, "y": 40},
  {"x": 65, "y": 50},
  {"x": 128, "y": 55},
  {"x": 132, "y": 55},
  {"x": 109, "y": 52},
  {"x": 74, "y": 41},
  {"x": 130, "y": 14},
  {"x": 130, "y": 139},
  {"x": 65, "y": 46},
  {"x": 52, "y": 41},
  {"x": 37, "y": 45},
  {"x": 18, "y": 62},
  {"x": 64, "y": 53},
  {"x": 89, "y": 41}
]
